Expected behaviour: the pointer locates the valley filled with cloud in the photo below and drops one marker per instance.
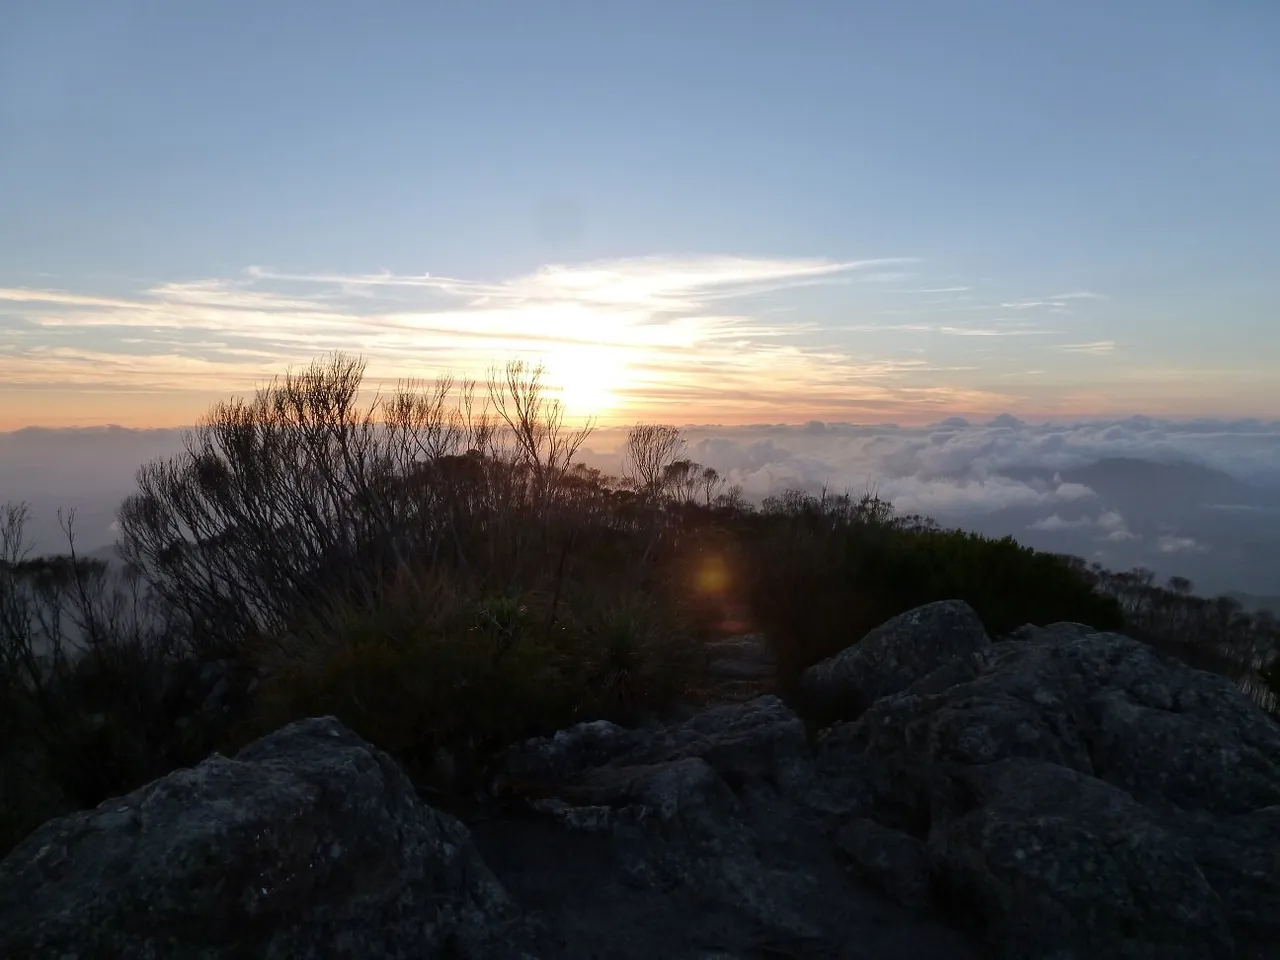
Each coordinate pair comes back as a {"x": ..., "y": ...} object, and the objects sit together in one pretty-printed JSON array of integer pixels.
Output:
[{"x": 1199, "y": 499}]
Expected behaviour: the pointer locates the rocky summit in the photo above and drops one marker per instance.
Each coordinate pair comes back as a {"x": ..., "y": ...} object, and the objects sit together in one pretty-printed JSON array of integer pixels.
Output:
[{"x": 1057, "y": 793}]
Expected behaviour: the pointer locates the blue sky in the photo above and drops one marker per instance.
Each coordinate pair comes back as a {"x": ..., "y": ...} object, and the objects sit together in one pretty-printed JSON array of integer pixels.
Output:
[{"x": 713, "y": 211}]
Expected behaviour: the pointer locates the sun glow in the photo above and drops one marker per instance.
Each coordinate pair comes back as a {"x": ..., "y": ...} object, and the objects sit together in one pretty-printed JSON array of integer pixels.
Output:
[{"x": 586, "y": 379}]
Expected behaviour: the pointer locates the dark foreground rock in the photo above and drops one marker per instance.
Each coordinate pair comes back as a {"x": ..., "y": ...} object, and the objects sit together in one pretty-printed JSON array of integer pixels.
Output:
[
  {"x": 1080, "y": 794},
  {"x": 711, "y": 838},
  {"x": 309, "y": 843},
  {"x": 1060, "y": 794},
  {"x": 892, "y": 657}
]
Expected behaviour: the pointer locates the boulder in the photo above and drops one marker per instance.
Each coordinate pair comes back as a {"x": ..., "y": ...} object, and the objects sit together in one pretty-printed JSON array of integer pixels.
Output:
[
  {"x": 1102, "y": 704},
  {"x": 1030, "y": 631},
  {"x": 309, "y": 843},
  {"x": 1080, "y": 792},
  {"x": 892, "y": 657},
  {"x": 1240, "y": 858},
  {"x": 1050, "y": 862},
  {"x": 674, "y": 802}
]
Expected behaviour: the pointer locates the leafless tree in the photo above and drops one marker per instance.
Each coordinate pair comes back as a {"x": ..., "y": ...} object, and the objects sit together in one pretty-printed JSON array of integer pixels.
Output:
[
  {"x": 281, "y": 499},
  {"x": 544, "y": 443},
  {"x": 711, "y": 483},
  {"x": 651, "y": 450},
  {"x": 57, "y": 609}
]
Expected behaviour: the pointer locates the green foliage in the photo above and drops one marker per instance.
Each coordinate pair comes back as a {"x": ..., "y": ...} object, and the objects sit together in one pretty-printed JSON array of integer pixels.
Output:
[
  {"x": 423, "y": 671},
  {"x": 629, "y": 655},
  {"x": 816, "y": 587},
  {"x": 416, "y": 668},
  {"x": 100, "y": 728}
]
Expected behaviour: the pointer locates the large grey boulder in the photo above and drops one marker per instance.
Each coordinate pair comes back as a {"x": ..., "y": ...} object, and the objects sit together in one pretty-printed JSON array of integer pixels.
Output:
[
  {"x": 309, "y": 843},
  {"x": 892, "y": 657},
  {"x": 1082, "y": 795},
  {"x": 674, "y": 803},
  {"x": 1053, "y": 863}
]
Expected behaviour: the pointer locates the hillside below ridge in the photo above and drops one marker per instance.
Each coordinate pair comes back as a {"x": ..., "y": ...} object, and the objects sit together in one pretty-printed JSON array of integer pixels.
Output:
[{"x": 1059, "y": 792}]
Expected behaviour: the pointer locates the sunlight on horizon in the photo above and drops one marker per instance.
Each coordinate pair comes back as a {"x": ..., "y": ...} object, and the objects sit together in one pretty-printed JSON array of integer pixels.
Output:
[
  {"x": 587, "y": 380},
  {"x": 692, "y": 339}
]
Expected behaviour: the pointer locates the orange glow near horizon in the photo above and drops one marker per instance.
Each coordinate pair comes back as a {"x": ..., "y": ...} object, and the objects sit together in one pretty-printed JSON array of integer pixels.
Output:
[
  {"x": 672, "y": 339},
  {"x": 595, "y": 398}
]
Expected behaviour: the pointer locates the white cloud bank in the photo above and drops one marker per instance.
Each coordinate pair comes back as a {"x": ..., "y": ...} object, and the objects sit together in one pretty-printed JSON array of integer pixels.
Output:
[
  {"x": 973, "y": 467},
  {"x": 1003, "y": 476}
]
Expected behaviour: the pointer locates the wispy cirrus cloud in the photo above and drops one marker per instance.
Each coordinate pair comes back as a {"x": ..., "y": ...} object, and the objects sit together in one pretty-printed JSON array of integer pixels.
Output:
[
  {"x": 1057, "y": 301},
  {"x": 708, "y": 338},
  {"x": 61, "y": 297},
  {"x": 1094, "y": 347},
  {"x": 1012, "y": 330},
  {"x": 647, "y": 334}
]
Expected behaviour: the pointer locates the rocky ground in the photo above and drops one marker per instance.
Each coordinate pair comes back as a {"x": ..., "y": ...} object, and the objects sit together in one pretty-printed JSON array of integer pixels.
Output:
[
  {"x": 1058, "y": 794},
  {"x": 739, "y": 669}
]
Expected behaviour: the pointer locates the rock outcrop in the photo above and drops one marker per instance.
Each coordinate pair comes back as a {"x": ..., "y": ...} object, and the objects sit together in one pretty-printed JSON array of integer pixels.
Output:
[
  {"x": 309, "y": 843},
  {"x": 892, "y": 657},
  {"x": 1061, "y": 793},
  {"x": 701, "y": 839},
  {"x": 1080, "y": 794}
]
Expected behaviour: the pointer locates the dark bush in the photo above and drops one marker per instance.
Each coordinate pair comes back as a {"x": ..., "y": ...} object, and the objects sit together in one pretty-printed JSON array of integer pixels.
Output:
[
  {"x": 443, "y": 680},
  {"x": 823, "y": 573}
]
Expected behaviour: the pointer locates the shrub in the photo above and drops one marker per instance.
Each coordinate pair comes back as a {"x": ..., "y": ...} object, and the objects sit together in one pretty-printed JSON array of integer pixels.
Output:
[
  {"x": 822, "y": 576},
  {"x": 84, "y": 664},
  {"x": 415, "y": 668},
  {"x": 629, "y": 655},
  {"x": 282, "y": 500},
  {"x": 433, "y": 675}
]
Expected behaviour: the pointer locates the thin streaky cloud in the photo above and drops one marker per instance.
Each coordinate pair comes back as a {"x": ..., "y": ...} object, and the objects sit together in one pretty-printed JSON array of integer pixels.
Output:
[
  {"x": 623, "y": 327},
  {"x": 640, "y": 280},
  {"x": 1095, "y": 347},
  {"x": 1057, "y": 301},
  {"x": 611, "y": 333},
  {"x": 993, "y": 331},
  {"x": 60, "y": 297}
]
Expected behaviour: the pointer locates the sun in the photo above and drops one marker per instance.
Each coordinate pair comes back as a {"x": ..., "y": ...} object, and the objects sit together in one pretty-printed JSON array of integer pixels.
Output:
[{"x": 586, "y": 379}]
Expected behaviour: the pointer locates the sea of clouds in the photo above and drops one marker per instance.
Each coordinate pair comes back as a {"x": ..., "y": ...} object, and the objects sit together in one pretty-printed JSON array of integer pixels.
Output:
[{"x": 1004, "y": 476}]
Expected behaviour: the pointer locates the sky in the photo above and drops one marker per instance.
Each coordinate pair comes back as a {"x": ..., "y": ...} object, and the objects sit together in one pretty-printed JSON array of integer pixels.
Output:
[{"x": 714, "y": 212}]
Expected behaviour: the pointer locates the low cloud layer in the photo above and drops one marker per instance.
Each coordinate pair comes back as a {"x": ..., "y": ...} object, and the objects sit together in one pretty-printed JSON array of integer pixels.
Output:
[
  {"x": 1194, "y": 498},
  {"x": 962, "y": 463},
  {"x": 1198, "y": 499}
]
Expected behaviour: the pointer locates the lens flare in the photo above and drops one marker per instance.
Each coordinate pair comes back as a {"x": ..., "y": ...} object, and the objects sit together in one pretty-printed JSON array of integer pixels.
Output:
[{"x": 713, "y": 576}]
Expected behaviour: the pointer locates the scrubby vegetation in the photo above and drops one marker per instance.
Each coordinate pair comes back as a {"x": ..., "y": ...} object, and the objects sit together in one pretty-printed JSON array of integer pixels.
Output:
[{"x": 437, "y": 570}]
